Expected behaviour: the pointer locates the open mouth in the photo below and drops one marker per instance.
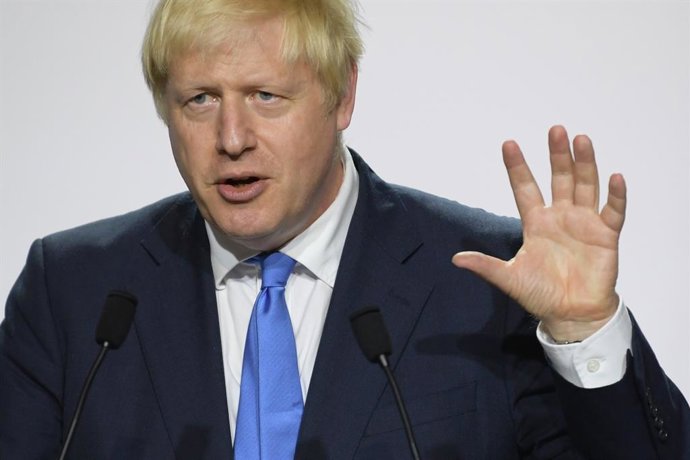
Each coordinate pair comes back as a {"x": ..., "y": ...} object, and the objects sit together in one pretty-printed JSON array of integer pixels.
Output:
[
  {"x": 242, "y": 189},
  {"x": 242, "y": 181}
]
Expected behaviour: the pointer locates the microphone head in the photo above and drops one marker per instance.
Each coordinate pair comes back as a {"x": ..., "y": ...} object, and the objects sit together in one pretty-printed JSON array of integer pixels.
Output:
[
  {"x": 116, "y": 318},
  {"x": 371, "y": 333}
]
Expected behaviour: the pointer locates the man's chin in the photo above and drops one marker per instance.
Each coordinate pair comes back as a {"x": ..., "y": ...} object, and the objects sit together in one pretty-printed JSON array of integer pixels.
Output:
[{"x": 252, "y": 238}]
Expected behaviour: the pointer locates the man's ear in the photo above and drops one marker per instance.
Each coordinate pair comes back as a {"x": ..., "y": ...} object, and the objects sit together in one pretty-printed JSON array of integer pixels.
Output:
[{"x": 347, "y": 103}]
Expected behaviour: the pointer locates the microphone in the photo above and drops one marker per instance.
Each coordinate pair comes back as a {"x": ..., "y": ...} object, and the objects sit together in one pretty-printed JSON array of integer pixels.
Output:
[
  {"x": 372, "y": 337},
  {"x": 116, "y": 318},
  {"x": 112, "y": 329}
]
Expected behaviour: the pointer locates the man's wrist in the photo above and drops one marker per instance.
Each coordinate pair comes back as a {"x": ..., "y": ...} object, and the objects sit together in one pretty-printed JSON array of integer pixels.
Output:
[{"x": 565, "y": 332}]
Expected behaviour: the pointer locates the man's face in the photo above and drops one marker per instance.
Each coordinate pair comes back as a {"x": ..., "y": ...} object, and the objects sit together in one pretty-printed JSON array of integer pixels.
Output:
[{"x": 253, "y": 139}]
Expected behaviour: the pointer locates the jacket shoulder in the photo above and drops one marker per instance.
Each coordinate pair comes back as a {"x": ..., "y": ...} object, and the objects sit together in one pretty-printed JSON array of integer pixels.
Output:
[
  {"x": 461, "y": 226},
  {"x": 119, "y": 230}
]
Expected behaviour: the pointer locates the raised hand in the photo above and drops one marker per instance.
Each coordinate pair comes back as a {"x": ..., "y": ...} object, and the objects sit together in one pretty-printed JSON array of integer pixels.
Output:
[{"x": 565, "y": 272}]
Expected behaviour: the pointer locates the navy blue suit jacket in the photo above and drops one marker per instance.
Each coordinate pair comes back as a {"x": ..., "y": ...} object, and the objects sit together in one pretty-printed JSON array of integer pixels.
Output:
[{"x": 475, "y": 380}]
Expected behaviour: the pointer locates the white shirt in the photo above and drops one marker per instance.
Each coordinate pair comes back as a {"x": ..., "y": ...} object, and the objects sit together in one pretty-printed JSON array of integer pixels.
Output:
[
  {"x": 317, "y": 252},
  {"x": 595, "y": 362}
]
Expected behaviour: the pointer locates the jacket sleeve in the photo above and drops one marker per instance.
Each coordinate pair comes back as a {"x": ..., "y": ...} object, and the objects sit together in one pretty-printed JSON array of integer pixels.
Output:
[
  {"x": 642, "y": 416},
  {"x": 31, "y": 368}
]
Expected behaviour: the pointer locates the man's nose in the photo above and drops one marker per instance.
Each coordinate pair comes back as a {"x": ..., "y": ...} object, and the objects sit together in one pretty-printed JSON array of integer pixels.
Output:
[{"x": 235, "y": 132}]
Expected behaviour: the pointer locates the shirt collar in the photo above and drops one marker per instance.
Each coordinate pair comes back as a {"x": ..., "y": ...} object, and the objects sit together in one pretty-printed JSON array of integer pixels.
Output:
[{"x": 318, "y": 248}]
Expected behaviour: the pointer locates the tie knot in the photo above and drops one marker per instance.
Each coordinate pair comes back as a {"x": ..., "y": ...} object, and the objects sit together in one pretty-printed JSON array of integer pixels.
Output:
[{"x": 275, "y": 269}]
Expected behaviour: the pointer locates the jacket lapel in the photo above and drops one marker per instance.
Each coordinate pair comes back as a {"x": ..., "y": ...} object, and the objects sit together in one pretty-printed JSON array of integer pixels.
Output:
[
  {"x": 177, "y": 326},
  {"x": 345, "y": 387}
]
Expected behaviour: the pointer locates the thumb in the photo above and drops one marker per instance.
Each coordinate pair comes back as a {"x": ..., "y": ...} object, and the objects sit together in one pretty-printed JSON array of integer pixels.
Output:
[{"x": 489, "y": 268}]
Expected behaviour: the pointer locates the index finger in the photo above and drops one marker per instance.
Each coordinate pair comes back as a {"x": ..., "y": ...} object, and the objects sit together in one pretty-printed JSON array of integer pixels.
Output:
[{"x": 525, "y": 189}]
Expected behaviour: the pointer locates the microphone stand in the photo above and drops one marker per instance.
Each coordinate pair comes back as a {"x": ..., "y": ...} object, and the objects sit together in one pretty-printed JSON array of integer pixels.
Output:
[
  {"x": 401, "y": 407},
  {"x": 82, "y": 398}
]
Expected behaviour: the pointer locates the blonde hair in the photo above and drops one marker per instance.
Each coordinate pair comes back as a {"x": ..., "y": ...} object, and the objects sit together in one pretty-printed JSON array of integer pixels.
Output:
[{"x": 322, "y": 33}]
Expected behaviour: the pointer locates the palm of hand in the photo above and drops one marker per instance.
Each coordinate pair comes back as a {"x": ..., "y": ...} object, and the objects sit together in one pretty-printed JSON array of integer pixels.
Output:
[{"x": 567, "y": 266}]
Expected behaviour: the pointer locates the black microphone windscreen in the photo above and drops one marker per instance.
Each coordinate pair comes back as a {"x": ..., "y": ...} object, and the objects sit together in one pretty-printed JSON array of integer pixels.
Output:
[
  {"x": 371, "y": 333},
  {"x": 116, "y": 318}
]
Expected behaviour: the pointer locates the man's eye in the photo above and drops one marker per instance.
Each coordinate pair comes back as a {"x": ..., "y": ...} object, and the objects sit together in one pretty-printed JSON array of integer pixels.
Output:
[
  {"x": 265, "y": 96},
  {"x": 202, "y": 99}
]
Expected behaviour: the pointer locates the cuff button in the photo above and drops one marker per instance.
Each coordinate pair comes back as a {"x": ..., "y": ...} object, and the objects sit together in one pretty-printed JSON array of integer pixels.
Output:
[
  {"x": 663, "y": 435},
  {"x": 593, "y": 366}
]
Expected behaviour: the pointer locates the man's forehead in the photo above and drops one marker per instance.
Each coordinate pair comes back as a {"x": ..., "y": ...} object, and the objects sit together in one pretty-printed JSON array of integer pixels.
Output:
[
  {"x": 240, "y": 65},
  {"x": 235, "y": 43}
]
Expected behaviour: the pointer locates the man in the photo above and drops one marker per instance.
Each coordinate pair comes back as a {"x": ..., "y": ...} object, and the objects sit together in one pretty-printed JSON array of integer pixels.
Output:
[{"x": 255, "y": 95}]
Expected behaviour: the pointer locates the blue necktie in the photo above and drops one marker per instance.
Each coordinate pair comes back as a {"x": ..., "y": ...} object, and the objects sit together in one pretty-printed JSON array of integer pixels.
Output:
[{"x": 270, "y": 408}]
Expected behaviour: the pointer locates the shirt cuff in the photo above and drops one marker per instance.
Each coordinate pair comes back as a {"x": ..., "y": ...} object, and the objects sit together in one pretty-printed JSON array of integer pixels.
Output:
[{"x": 597, "y": 361}]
